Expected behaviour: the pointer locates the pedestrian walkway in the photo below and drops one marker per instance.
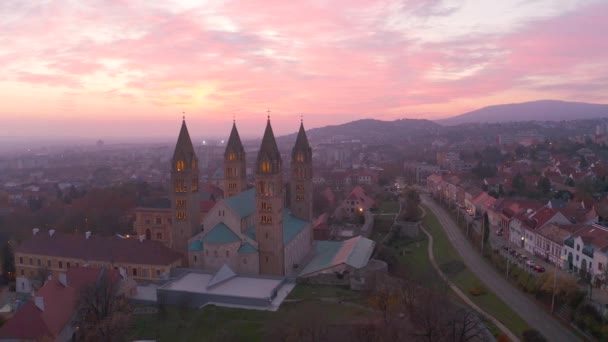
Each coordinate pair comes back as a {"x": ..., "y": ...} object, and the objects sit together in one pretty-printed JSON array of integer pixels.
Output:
[
  {"x": 529, "y": 311},
  {"x": 461, "y": 295}
]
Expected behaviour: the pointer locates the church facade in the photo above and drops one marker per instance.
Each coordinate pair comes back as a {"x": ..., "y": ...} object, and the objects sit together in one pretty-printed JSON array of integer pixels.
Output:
[{"x": 251, "y": 230}]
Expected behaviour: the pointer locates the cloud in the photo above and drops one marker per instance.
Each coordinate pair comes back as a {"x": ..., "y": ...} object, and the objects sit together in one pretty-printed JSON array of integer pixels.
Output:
[{"x": 348, "y": 58}]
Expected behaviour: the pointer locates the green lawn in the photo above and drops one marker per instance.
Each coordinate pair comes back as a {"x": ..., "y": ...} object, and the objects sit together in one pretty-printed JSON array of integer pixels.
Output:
[
  {"x": 213, "y": 323},
  {"x": 305, "y": 291},
  {"x": 389, "y": 206},
  {"x": 451, "y": 263}
]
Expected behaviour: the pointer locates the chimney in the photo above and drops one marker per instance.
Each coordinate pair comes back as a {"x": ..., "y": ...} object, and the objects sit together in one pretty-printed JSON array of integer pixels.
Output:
[
  {"x": 39, "y": 301},
  {"x": 142, "y": 238},
  {"x": 51, "y": 232},
  {"x": 35, "y": 231},
  {"x": 87, "y": 235},
  {"x": 63, "y": 279}
]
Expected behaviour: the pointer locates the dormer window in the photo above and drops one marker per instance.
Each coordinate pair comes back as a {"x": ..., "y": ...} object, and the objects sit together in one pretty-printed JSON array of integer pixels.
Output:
[{"x": 180, "y": 165}]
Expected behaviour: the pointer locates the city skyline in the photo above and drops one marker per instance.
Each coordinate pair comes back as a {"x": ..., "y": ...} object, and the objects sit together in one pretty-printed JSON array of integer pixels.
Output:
[{"x": 121, "y": 69}]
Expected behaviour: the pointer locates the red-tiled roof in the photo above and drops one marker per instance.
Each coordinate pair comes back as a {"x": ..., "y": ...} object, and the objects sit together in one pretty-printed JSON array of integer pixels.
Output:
[
  {"x": 96, "y": 248},
  {"x": 206, "y": 205},
  {"x": 542, "y": 216},
  {"x": 594, "y": 235},
  {"x": 32, "y": 323},
  {"x": 558, "y": 233},
  {"x": 27, "y": 324}
]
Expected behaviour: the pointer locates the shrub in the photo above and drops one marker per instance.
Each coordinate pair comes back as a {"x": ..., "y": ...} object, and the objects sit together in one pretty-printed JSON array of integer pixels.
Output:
[
  {"x": 502, "y": 338},
  {"x": 477, "y": 290}
]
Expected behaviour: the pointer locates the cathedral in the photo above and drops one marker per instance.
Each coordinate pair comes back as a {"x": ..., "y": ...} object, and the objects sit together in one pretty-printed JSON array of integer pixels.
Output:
[{"x": 250, "y": 230}]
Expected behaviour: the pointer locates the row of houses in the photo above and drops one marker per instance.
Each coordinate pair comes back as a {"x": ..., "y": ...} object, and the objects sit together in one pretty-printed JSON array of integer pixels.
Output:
[{"x": 566, "y": 234}]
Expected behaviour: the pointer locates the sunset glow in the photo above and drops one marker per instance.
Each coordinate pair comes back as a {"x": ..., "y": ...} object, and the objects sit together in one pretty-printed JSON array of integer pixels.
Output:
[{"x": 122, "y": 68}]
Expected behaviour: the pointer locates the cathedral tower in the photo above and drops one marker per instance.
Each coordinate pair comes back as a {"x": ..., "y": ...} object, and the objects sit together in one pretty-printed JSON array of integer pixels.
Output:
[
  {"x": 269, "y": 202},
  {"x": 301, "y": 177},
  {"x": 235, "y": 177},
  {"x": 185, "y": 201}
]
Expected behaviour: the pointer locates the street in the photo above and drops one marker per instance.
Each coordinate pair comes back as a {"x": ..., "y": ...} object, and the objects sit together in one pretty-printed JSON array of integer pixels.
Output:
[{"x": 529, "y": 311}]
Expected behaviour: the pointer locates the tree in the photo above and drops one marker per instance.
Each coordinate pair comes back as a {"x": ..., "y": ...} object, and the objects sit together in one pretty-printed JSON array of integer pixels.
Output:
[
  {"x": 464, "y": 326},
  {"x": 412, "y": 202},
  {"x": 570, "y": 182},
  {"x": 544, "y": 185},
  {"x": 104, "y": 314},
  {"x": 519, "y": 183},
  {"x": 8, "y": 261}
]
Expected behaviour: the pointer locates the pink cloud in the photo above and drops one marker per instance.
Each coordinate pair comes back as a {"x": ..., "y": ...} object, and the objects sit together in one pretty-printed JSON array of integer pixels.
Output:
[{"x": 297, "y": 57}]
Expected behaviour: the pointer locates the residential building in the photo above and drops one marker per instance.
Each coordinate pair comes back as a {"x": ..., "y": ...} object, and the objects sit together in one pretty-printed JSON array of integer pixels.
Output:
[
  {"x": 56, "y": 252},
  {"x": 585, "y": 250}
]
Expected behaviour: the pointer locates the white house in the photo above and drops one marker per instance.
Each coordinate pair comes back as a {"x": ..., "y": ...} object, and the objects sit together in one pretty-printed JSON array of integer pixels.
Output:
[{"x": 585, "y": 250}]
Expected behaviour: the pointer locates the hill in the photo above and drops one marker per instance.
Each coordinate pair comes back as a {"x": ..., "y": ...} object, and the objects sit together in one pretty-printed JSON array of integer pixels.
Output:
[
  {"x": 371, "y": 131},
  {"x": 543, "y": 110}
]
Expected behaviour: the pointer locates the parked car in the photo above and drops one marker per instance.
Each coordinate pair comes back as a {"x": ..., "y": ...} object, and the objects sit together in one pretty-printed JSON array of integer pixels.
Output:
[
  {"x": 530, "y": 263},
  {"x": 539, "y": 269}
]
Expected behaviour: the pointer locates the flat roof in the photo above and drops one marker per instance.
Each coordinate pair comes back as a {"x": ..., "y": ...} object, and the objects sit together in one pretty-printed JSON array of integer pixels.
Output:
[{"x": 239, "y": 286}]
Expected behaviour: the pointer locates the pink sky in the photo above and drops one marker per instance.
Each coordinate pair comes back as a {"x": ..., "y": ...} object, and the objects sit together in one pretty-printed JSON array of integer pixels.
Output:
[{"x": 118, "y": 68}]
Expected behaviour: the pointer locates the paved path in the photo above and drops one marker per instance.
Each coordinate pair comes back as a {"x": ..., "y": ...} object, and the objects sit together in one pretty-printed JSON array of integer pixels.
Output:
[
  {"x": 462, "y": 296},
  {"x": 529, "y": 311}
]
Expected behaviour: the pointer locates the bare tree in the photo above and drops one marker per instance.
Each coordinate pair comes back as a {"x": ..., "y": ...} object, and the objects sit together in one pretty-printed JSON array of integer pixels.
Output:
[
  {"x": 465, "y": 326},
  {"x": 104, "y": 314},
  {"x": 306, "y": 324}
]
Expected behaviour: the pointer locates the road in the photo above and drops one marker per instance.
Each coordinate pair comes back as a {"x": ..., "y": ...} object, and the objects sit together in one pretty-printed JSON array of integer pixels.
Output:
[{"x": 529, "y": 311}]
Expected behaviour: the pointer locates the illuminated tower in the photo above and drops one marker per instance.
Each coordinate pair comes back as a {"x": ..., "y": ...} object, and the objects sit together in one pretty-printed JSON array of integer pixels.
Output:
[
  {"x": 185, "y": 202},
  {"x": 301, "y": 177},
  {"x": 269, "y": 202},
  {"x": 235, "y": 177}
]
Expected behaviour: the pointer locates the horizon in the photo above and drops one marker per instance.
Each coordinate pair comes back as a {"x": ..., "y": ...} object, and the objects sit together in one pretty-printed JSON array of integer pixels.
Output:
[{"x": 120, "y": 70}]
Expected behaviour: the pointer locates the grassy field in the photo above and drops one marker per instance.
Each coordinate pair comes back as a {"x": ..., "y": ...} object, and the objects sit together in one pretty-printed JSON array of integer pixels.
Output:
[
  {"x": 304, "y": 291},
  {"x": 214, "y": 323},
  {"x": 451, "y": 264}
]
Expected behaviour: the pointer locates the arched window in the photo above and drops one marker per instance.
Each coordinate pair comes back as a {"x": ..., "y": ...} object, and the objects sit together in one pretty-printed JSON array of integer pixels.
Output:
[
  {"x": 265, "y": 167},
  {"x": 194, "y": 164},
  {"x": 231, "y": 156},
  {"x": 180, "y": 165},
  {"x": 300, "y": 157}
]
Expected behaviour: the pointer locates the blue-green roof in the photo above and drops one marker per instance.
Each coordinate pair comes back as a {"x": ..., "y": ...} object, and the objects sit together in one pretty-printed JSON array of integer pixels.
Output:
[
  {"x": 196, "y": 245},
  {"x": 221, "y": 234},
  {"x": 243, "y": 203},
  {"x": 250, "y": 232},
  {"x": 247, "y": 248},
  {"x": 292, "y": 226},
  {"x": 354, "y": 252}
]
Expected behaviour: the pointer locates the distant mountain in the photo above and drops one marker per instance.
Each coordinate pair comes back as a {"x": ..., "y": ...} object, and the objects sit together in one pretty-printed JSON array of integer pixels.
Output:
[
  {"x": 543, "y": 110},
  {"x": 370, "y": 131}
]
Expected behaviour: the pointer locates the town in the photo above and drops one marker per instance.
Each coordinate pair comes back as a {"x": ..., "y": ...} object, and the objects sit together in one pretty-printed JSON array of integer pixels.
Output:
[{"x": 160, "y": 224}]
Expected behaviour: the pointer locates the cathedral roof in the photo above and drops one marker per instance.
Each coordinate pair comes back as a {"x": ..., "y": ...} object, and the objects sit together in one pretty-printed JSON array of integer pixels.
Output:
[
  {"x": 234, "y": 141},
  {"x": 301, "y": 139},
  {"x": 247, "y": 248},
  {"x": 184, "y": 149},
  {"x": 242, "y": 203},
  {"x": 302, "y": 146},
  {"x": 292, "y": 226},
  {"x": 196, "y": 245},
  {"x": 269, "y": 149},
  {"x": 221, "y": 234}
]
